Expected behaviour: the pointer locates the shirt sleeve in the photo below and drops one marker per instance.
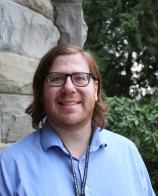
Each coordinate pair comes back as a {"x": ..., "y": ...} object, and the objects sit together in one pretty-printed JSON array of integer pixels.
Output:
[
  {"x": 7, "y": 178},
  {"x": 148, "y": 190}
]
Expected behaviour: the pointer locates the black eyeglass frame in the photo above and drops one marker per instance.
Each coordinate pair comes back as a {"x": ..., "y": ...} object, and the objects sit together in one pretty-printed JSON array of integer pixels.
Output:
[{"x": 89, "y": 74}]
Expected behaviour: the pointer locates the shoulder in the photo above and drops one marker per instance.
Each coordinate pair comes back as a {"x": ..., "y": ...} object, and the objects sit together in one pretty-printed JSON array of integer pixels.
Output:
[
  {"x": 22, "y": 146},
  {"x": 115, "y": 139},
  {"x": 125, "y": 154},
  {"x": 122, "y": 148},
  {"x": 119, "y": 146}
]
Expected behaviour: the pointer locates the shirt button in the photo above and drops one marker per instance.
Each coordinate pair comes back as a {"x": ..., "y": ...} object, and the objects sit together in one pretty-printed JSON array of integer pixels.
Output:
[
  {"x": 86, "y": 187},
  {"x": 80, "y": 162}
]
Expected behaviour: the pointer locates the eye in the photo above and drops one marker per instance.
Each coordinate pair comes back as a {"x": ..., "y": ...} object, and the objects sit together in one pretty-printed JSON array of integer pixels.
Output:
[
  {"x": 53, "y": 78},
  {"x": 80, "y": 77},
  {"x": 56, "y": 79}
]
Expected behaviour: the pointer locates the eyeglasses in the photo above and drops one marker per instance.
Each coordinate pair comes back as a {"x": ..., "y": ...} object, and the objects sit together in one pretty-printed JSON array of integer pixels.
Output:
[{"x": 79, "y": 79}]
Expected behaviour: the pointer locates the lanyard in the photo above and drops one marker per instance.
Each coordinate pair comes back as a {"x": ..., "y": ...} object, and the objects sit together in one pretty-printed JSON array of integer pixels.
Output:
[{"x": 85, "y": 171}]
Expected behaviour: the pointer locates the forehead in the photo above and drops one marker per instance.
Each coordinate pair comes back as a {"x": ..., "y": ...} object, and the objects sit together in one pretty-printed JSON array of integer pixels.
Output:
[{"x": 70, "y": 63}]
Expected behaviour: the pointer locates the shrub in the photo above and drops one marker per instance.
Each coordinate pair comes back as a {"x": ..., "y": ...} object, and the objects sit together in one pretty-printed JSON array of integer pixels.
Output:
[{"x": 138, "y": 121}]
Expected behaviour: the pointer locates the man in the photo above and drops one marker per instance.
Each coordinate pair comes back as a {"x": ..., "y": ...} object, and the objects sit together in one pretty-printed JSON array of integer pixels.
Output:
[{"x": 71, "y": 154}]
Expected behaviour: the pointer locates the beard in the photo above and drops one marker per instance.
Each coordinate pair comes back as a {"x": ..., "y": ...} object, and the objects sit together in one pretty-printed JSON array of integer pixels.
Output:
[{"x": 70, "y": 120}]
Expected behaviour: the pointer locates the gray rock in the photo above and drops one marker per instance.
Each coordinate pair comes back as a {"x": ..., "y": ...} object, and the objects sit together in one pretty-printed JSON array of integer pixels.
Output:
[
  {"x": 14, "y": 123},
  {"x": 84, "y": 31},
  {"x": 43, "y": 7},
  {"x": 25, "y": 32},
  {"x": 68, "y": 19},
  {"x": 16, "y": 73}
]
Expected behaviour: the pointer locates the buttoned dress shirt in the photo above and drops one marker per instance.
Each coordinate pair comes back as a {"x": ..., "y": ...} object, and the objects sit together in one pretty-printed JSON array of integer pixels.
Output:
[{"x": 39, "y": 165}]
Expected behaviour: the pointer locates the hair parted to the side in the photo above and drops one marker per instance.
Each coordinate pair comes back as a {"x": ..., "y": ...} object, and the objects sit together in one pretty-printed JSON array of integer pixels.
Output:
[{"x": 35, "y": 109}]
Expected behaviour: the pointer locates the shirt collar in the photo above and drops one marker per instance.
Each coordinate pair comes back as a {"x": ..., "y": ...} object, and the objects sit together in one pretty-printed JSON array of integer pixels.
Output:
[
  {"x": 50, "y": 138},
  {"x": 98, "y": 140}
]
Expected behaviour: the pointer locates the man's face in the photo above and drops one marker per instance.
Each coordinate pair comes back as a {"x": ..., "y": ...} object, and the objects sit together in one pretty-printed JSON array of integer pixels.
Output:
[{"x": 68, "y": 106}]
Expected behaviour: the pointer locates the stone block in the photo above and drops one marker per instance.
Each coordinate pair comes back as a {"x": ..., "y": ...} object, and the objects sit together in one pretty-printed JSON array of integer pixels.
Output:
[
  {"x": 14, "y": 123},
  {"x": 24, "y": 31},
  {"x": 68, "y": 19},
  {"x": 43, "y": 7},
  {"x": 16, "y": 73},
  {"x": 84, "y": 31}
]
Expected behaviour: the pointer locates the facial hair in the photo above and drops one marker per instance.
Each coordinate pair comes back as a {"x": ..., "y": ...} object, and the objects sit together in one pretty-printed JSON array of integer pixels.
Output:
[{"x": 62, "y": 121}]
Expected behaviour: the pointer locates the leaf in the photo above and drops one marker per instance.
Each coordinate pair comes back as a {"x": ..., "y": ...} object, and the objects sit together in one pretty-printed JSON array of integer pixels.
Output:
[{"x": 136, "y": 122}]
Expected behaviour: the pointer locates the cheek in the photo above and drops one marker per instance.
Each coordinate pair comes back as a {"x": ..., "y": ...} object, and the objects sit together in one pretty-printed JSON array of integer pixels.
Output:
[
  {"x": 90, "y": 95},
  {"x": 48, "y": 94}
]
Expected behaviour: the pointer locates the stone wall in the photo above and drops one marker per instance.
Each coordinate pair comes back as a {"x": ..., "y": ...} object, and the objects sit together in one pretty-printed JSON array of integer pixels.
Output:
[
  {"x": 28, "y": 29},
  {"x": 68, "y": 17},
  {"x": 27, "y": 32}
]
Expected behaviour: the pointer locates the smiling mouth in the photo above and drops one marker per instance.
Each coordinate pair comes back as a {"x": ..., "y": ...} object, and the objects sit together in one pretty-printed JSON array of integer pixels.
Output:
[{"x": 68, "y": 104}]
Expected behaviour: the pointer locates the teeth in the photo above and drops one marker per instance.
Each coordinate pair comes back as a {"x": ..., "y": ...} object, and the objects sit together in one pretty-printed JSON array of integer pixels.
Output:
[{"x": 73, "y": 103}]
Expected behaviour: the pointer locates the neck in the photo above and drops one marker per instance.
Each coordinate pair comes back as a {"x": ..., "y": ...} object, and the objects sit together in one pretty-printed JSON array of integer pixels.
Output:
[{"x": 75, "y": 140}]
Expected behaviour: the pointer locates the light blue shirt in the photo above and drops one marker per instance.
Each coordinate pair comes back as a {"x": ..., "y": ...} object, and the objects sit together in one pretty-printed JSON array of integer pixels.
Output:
[{"x": 39, "y": 165}]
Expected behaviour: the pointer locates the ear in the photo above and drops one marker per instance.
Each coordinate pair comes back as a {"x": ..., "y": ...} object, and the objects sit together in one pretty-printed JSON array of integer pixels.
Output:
[{"x": 96, "y": 90}]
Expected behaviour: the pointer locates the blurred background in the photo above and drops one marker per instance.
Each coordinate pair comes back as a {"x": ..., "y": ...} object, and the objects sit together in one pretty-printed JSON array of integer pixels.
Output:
[{"x": 123, "y": 37}]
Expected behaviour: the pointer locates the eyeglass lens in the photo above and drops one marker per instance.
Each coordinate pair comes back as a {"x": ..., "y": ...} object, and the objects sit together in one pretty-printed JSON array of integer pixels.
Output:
[{"x": 78, "y": 79}]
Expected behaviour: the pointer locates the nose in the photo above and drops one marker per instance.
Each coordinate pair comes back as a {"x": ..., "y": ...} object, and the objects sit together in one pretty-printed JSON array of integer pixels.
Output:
[{"x": 68, "y": 87}]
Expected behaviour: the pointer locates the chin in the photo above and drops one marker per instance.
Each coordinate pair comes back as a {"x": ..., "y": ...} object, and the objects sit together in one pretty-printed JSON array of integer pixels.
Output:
[{"x": 71, "y": 123}]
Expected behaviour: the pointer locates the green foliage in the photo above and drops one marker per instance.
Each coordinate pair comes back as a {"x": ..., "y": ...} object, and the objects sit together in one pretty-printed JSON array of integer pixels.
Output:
[
  {"x": 116, "y": 29},
  {"x": 138, "y": 121}
]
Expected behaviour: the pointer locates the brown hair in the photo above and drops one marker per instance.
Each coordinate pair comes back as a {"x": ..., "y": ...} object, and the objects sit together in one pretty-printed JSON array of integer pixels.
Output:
[{"x": 35, "y": 109}]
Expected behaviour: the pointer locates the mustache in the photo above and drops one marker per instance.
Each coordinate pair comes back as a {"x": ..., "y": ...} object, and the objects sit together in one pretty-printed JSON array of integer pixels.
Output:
[{"x": 69, "y": 97}]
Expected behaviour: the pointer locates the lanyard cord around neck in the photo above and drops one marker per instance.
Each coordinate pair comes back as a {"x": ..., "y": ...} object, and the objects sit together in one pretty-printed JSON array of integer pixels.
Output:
[{"x": 85, "y": 171}]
